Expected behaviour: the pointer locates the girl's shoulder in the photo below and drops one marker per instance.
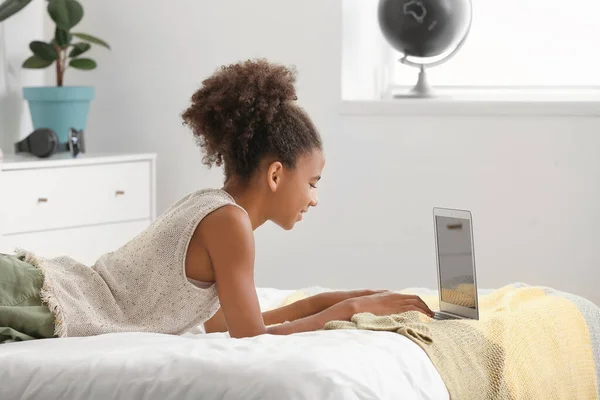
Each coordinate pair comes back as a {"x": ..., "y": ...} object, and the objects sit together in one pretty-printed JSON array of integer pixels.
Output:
[
  {"x": 206, "y": 196},
  {"x": 233, "y": 219},
  {"x": 204, "y": 207}
]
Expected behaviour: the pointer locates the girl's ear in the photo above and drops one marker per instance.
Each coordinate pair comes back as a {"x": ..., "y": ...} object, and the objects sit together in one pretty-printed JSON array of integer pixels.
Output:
[{"x": 274, "y": 174}]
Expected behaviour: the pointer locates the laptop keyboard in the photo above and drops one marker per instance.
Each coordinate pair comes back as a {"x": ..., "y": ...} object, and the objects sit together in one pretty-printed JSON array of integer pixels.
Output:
[{"x": 441, "y": 316}]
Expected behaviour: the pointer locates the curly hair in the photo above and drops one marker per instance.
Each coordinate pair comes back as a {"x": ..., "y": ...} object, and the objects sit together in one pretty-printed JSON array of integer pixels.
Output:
[{"x": 247, "y": 111}]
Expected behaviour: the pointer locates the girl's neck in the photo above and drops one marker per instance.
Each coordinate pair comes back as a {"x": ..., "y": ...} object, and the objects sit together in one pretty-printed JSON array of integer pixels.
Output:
[{"x": 248, "y": 197}]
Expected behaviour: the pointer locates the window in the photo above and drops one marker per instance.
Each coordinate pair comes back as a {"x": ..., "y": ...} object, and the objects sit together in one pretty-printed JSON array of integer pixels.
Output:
[{"x": 525, "y": 43}]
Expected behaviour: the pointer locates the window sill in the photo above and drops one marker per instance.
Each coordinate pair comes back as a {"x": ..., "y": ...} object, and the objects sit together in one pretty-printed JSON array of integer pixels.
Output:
[{"x": 483, "y": 102}]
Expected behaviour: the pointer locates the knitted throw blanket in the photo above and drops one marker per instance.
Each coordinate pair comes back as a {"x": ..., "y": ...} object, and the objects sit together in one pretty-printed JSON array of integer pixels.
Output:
[{"x": 529, "y": 343}]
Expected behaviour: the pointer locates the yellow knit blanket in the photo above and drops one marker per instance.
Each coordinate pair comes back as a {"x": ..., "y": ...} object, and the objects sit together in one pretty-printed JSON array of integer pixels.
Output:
[{"x": 529, "y": 343}]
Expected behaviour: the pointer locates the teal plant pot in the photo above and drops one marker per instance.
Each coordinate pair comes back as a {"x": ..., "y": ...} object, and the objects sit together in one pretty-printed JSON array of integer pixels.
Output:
[{"x": 59, "y": 107}]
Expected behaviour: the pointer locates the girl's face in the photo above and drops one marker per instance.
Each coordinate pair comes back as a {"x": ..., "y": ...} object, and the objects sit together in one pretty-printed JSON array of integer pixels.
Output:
[{"x": 294, "y": 190}]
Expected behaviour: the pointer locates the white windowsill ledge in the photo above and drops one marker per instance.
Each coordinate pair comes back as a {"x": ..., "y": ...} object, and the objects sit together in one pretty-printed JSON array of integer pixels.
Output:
[{"x": 476, "y": 102}]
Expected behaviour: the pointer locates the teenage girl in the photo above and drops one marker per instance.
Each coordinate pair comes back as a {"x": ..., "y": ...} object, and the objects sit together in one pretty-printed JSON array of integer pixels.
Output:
[{"x": 195, "y": 263}]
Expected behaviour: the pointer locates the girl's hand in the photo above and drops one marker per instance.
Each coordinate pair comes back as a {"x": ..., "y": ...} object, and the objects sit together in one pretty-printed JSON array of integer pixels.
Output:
[{"x": 388, "y": 303}]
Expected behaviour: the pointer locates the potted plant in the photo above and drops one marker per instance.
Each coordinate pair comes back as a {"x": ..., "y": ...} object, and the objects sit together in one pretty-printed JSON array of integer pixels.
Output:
[{"x": 61, "y": 107}]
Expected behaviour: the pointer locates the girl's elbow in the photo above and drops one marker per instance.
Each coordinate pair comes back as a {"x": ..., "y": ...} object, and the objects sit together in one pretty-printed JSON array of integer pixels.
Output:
[{"x": 246, "y": 333}]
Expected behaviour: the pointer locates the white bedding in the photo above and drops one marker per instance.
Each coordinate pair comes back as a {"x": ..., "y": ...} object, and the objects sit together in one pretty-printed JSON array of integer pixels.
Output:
[{"x": 318, "y": 365}]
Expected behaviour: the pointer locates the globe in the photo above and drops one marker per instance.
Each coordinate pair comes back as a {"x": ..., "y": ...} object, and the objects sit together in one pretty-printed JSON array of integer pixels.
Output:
[{"x": 426, "y": 32}]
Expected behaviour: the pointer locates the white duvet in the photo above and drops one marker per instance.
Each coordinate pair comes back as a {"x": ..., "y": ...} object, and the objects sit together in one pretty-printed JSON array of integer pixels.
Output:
[{"x": 317, "y": 366}]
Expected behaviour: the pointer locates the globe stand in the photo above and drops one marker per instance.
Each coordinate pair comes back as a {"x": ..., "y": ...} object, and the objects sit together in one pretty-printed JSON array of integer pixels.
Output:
[{"x": 422, "y": 89}]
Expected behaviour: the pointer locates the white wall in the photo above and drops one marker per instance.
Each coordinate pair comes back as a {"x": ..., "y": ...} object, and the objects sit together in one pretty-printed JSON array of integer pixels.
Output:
[
  {"x": 532, "y": 183},
  {"x": 15, "y": 35}
]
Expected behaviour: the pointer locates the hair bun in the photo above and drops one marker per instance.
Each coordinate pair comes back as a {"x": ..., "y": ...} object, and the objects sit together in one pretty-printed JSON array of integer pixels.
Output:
[{"x": 235, "y": 103}]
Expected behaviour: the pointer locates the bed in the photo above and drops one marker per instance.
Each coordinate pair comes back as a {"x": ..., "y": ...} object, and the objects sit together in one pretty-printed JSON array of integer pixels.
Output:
[
  {"x": 318, "y": 365},
  {"x": 517, "y": 350}
]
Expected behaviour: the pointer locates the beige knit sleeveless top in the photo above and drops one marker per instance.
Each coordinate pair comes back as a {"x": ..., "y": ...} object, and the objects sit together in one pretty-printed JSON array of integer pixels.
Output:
[{"x": 140, "y": 287}]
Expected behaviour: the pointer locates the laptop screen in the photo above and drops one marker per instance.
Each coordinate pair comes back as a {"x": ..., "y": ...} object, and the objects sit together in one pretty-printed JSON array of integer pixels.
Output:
[{"x": 455, "y": 258}]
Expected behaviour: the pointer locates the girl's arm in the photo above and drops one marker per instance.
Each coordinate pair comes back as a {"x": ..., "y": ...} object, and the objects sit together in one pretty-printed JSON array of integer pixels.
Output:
[
  {"x": 381, "y": 303},
  {"x": 229, "y": 239},
  {"x": 311, "y": 306},
  {"x": 294, "y": 311}
]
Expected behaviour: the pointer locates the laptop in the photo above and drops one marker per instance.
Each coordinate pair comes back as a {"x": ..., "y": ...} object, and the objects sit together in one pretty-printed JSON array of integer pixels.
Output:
[{"x": 455, "y": 258}]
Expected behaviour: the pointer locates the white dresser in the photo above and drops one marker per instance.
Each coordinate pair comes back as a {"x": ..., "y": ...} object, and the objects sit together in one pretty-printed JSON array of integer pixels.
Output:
[{"x": 81, "y": 207}]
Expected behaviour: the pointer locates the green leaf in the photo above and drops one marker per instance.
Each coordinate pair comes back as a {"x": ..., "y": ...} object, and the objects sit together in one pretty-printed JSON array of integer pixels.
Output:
[
  {"x": 65, "y": 13},
  {"x": 36, "y": 62},
  {"x": 91, "y": 39},
  {"x": 83, "y": 63},
  {"x": 8, "y": 8},
  {"x": 62, "y": 38},
  {"x": 79, "y": 49},
  {"x": 45, "y": 51}
]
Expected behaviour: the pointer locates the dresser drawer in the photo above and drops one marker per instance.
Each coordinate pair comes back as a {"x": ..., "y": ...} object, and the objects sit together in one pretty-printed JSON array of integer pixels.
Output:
[{"x": 50, "y": 198}]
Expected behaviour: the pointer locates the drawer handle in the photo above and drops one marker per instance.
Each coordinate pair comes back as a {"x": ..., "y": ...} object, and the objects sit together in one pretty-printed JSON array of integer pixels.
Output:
[
  {"x": 119, "y": 193},
  {"x": 43, "y": 200}
]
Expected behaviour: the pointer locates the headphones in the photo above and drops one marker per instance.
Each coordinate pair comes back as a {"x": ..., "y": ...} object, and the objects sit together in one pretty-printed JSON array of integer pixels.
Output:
[{"x": 43, "y": 142}]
